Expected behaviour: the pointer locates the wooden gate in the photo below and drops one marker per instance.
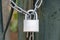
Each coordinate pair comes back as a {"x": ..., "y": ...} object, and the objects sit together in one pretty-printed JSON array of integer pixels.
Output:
[{"x": 49, "y": 16}]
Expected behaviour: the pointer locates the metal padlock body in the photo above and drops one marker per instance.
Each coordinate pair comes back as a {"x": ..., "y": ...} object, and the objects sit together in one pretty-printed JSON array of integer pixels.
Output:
[{"x": 31, "y": 25}]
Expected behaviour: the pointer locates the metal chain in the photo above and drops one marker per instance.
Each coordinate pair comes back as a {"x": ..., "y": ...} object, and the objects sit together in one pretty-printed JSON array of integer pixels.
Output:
[{"x": 19, "y": 9}]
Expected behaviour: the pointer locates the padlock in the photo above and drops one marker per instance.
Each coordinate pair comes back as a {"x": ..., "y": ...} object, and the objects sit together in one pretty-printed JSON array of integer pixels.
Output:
[{"x": 31, "y": 25}]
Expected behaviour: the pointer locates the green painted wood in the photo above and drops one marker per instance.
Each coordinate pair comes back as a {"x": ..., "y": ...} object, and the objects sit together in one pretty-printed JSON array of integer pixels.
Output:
[
  {"x": 1, "y": 23},
  {"x": 40, "y": 35},
  {"x": 21, "y": 34},
  {"x": 50, "y": 24}
]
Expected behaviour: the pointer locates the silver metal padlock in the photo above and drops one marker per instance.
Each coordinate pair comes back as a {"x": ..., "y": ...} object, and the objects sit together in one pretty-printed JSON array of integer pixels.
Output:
[{"x": 31, "y": 25}]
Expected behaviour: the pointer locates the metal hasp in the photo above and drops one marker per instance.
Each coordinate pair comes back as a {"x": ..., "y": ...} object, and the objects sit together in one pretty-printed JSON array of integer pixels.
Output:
[
  {"x": 49, "y": 21},
  {"x": 1, "y": 21}
]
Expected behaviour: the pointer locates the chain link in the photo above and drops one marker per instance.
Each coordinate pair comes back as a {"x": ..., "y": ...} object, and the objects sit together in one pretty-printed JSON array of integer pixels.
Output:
[
  {"x": 30, "y": 35},
  {"x": 36, "y": 4},
  {"x": 19, "y": 9}
]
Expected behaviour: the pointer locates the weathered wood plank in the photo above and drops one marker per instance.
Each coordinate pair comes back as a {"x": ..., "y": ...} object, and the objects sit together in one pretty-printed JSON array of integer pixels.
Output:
[
  {"x": 5, "y": 10},
  {"x": 21, "y": 34},
  {"x": 52, "y": 19}
]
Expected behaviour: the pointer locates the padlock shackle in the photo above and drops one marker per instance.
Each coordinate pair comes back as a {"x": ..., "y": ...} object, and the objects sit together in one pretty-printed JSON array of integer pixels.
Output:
[{"x": 34, "y": 12}]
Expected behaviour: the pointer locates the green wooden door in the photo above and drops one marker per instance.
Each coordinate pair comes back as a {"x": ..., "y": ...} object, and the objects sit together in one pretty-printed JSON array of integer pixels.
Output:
[
  {"x": 50, "y": 24},
  {"x": 49, "y": 15}
]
